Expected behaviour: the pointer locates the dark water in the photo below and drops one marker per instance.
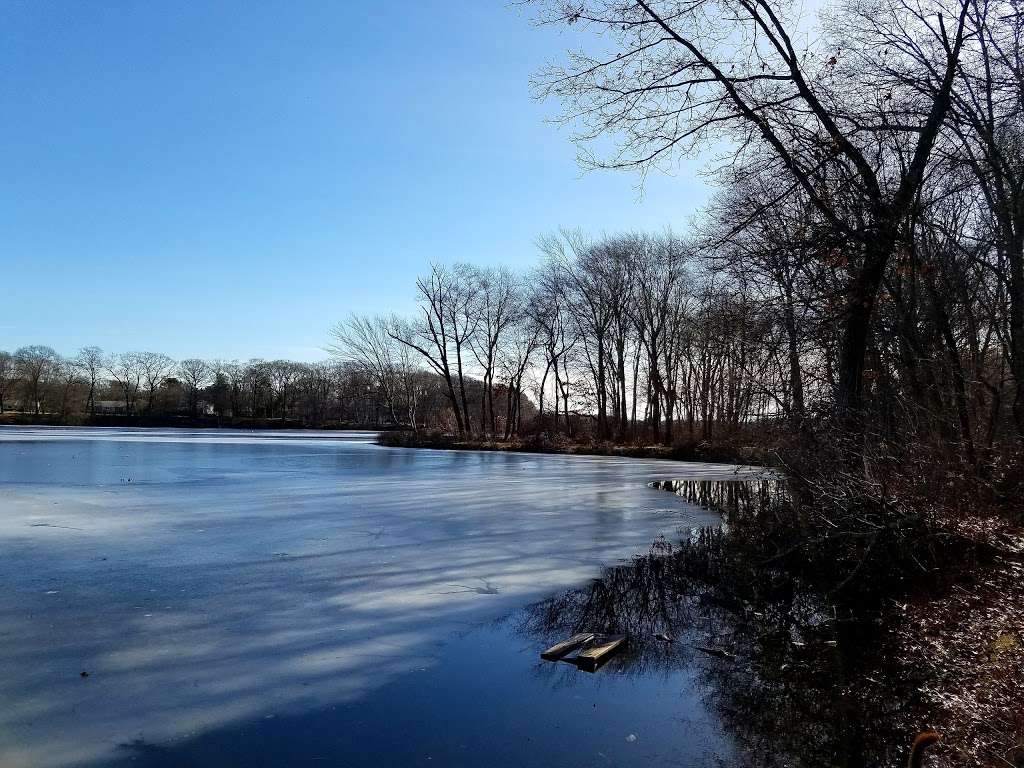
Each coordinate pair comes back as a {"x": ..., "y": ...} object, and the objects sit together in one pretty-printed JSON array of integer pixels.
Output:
[
  {"x": 792, "y": 678},
  {"x": 488, "y": 700},
  {"x": 282, "y": 599}
]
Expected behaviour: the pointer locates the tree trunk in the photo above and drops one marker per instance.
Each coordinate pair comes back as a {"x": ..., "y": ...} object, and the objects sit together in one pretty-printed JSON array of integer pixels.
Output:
[
  {"x": 796, "y": 383},
  {"x": 1016, "y": 259},
  {"x": 856, "y": 327},
  {"x": 468, "y": 427}
]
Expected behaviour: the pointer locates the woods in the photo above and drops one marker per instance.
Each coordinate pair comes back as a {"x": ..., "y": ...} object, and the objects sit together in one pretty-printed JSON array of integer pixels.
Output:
[
  {"x": 850, "y": 302},
  {"x": 860, "y": 263}
]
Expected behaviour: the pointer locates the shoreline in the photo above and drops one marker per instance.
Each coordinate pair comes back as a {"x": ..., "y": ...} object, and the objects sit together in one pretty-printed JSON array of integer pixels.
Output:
[
  {"x": 18, "y": 419},
  {"x": 964, "y": 638},
  {"x": 693, "y": 451}
]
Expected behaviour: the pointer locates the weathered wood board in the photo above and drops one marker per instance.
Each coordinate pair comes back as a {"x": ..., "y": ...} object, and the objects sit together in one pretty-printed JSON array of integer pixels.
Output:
[
  {"x": 593, "y": 657},
  {"x": 556, "y": 652}
]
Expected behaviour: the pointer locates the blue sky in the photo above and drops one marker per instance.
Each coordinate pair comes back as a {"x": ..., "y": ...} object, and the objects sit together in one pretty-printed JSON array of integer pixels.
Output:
[{"x": 230, "y": 179}]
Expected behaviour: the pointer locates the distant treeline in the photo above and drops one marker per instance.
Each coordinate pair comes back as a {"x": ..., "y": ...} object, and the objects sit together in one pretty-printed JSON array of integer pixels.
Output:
[{"x": 39, "y": 385}]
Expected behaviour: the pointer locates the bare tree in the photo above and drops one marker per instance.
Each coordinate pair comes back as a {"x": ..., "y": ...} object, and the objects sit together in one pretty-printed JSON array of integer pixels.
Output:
[
  {"x": 659, "y": 269},
  {"x": 523, "y": 339},
  {"x": 557, "y": 336},
  {"x": 616, "y": 266},
  {"x": 588, "y": 295},
  {"x": 463, "y": 322},
  {"x": 90, "y": 362},
  {"x": 194, "y": 374},
  {"x": 255, "y": 381},
  {"x": 155, "y": 367},
  {"x": 234, "y": 383},
  {"x": 370, "y": 342},
  {"x": 283, "y": 375},
  {"x": 317, "y": 384},
  {"x": 35, "y": 365},
  {"x": 497, "y": 305},
  {"x": 989, "y": 109},
  {"x": 126, "y": 369},
  {"x": 441, "y": 333},
  {"x": 826, "y": 116},
  {"x": 8, "y": 376},
  {"x": 776, "y": 257},
  {"x": 67, "y": 378}
]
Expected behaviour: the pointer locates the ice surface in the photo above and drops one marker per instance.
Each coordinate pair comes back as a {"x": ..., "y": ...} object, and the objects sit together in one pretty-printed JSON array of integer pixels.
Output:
[{"x": 206, "y": 578}]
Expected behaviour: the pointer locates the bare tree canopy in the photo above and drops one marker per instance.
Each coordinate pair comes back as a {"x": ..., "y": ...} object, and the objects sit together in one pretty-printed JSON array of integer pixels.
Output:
[{"x": 849, "y": 120}]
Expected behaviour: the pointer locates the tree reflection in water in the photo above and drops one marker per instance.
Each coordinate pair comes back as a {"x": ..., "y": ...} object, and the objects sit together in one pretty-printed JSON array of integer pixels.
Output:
[{"x": 799, "y": 679}]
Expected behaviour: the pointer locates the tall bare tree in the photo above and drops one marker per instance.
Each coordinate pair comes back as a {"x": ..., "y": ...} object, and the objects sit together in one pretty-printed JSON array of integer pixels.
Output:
[
  {"x": 90, "y": 362},
  {"x": 194, "y": 374},
  {"x": 989, "y": 110},
  {"x": 497, "y": 305},
  {"x": 35, "y": 365},
  {"x": 155, "y": 366},
  {"x": 861, "y": 110},
  {"x": 558, "y": 337},
  {"x": 442, "y": 331}
]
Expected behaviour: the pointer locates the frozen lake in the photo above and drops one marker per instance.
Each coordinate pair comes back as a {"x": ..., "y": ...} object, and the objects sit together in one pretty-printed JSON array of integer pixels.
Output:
[{"x": 284, "y": 598}]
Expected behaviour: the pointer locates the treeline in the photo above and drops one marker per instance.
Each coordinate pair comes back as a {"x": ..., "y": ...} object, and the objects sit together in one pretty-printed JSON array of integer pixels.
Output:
[
  {"x": 617, "y": 338},
  {"x": 38, "y": 384},
  {"x": 862, "y": 262},
  {"x": 655, "y": 337}
]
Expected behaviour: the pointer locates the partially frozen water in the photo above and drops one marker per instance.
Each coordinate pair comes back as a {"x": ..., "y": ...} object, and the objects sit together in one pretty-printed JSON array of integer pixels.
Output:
[{"x": 228, "y": 591}]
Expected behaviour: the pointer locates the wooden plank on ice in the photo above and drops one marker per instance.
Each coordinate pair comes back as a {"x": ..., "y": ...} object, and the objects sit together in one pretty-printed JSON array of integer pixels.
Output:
[
  {"x": 593, "y": 657},
  {"x": 555, "y": 652}
]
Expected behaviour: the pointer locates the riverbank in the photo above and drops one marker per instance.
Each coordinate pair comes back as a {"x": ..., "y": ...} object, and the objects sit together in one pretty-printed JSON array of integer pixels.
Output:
[
  {"x": 872, "y": 655},
  {"x": 969, "y": 640},
  {"x": 688, "y": 450}
]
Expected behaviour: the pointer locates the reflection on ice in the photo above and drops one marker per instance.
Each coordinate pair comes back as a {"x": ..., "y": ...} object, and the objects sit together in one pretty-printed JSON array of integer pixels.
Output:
[
  {"x": 728, "y": 497},
  {"x": 246, "y": 575}
]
